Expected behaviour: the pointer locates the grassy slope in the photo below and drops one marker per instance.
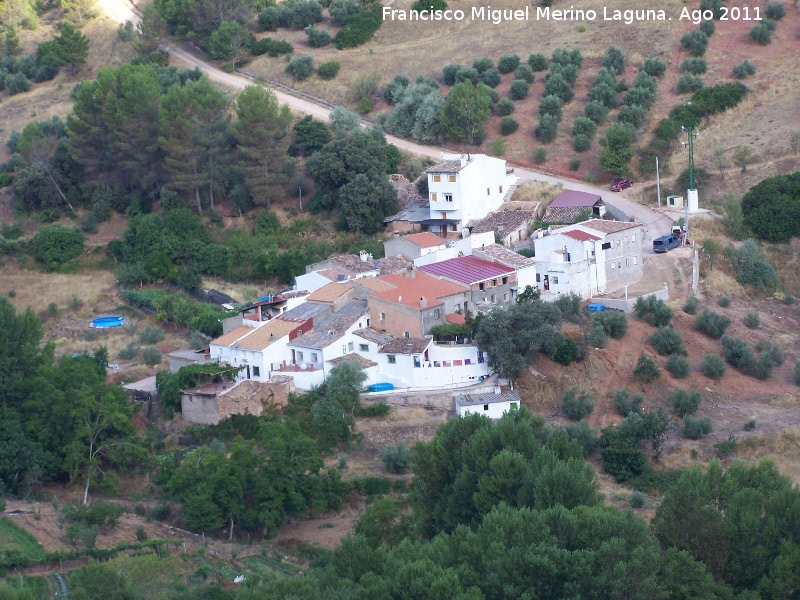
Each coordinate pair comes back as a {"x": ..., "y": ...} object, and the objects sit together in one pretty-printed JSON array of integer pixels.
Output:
[{"x": 15, "y": 539}]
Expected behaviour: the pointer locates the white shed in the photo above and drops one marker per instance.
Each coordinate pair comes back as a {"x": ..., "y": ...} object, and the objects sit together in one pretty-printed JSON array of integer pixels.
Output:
[{"x": 493, "y": 406}]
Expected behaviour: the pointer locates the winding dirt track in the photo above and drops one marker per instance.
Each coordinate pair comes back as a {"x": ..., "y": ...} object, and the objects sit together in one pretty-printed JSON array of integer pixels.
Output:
[{"x": 657, "y": 223}]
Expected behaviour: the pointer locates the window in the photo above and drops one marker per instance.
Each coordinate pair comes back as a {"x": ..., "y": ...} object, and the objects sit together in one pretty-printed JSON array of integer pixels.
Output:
[
  {"x": 433, "y": 196},
  {"x": 633, "y": 238},
  {"x": 619, "y": 265},
  {"x": 406, "y": 335},
  {"x": 437, "y": 178},
  {"x": 453, "y": 227},
  {"x": 451, "y": 178},
  {"x": 448, "y": 197},
  {"x": 256, "y": 372},
  {"x": 505, "y": 280},
  {"x": 494, "y": 298},
  {"x": 513, "y": 406},
  {"x": 538, "y": 278},
  {"x": 383, "y": 316},
  {"x": 437, "y": 314},
  {"x": 494, "y": 282},
  {"x": 300, "y": 356},
  {"x": 488, "y": 191},
  {"x": 481, "y": 286},
  {"x": 626, "y": 239},
  {"x": 363, "y": 347},
  {"x": 367, "y": 322},
  {"x": 314, "y": 357},
  {"x": 505, "y": 297},
  {"x": 417, "y": 361},
  {"x": 501, "y": 189},
  {"x": 391, "y": 359},
  {"x": 555, "y": 280},
  {"x": 627, "y": 262},
  {"x": 606, "y": 246},
  {"x": 485, "y": 407},
  {"x": 350, "y": 346},
  {"x": 618, "y": 243},
  {"x": 634, "y": 260}
]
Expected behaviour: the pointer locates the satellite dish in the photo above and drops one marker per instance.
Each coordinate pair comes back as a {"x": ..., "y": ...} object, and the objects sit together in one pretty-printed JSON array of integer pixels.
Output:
[{"x": 303, "y": 366}]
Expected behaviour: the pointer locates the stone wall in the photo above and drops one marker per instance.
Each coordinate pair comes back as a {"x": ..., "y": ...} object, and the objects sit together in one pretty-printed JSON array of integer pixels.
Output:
[{"x": 246, "y": 397}]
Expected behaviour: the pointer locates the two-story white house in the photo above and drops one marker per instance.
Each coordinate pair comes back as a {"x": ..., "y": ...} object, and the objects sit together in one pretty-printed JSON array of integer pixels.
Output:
[{"x": 462, "y": 188}]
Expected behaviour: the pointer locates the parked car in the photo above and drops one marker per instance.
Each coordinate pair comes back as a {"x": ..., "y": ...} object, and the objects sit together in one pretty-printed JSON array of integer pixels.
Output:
[
  {"x": 665, "y": 243},
  {"x": 620, "y": 183}
]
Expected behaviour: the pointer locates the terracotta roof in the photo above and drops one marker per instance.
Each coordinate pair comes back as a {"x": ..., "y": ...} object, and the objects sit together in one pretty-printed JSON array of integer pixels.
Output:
[
  {"x": 353, "y": 263},
  {"x": 581, "y": 236},
  {"x": 426, "y": 239},
  {"x": 333, "y": 274},
  {"x": 325, "y": 334},
  {"x": 501, "y": 221},
  {"x": 467, "y": 269},
  {"x": 232, "y": 336},
  {"x": 373, "y": 335},
  {"x": 609, "y": 226},
  {"x": 329, "y": 292},
  {"x": 364, "y": 362},
  {"x": 393, "y": 264},
  {"x": 575, "y": 199},
  {"x": 262, "y": 337},
  {"x": 409, "y": 291},
  {"x": 455, "y": 318},
  {"x": 406, "y": 346},
  {"x": 477, "y": 399},
  {"x": 506, "y": 257}
]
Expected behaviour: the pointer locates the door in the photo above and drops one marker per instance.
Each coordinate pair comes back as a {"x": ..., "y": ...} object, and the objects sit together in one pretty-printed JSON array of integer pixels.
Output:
[
  {"x": 248, "y": 371},
  {"x": 546, "y": 282}
]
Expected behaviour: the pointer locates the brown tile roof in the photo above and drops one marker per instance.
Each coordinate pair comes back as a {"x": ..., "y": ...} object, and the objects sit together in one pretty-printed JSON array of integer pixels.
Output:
[
  {"x": 581, "y": 236},
  {"x": 562, "y": 215},
  {"x": 394, "y": 264},
  {"x": 504, "y": 256},
  {"x": 406, "y": 346},
  {"x": 421, "y": 286},
  {"x": 325, "y": 334},
  {"x": 447, "y": 166},
  {"x": 455, "y": 318},
  {"x": 426, "y": 239},
  {"x": 609, "y": 226},
  {"x": 373, "y": 284},
  {"x": 329, "y": 292},
  {"x": 575, "y": 199},
  {"x": 261, "y": 337},
  {"x": 373, "y": 335},
  {"x": 353, "y": 263},
  {"x": 501, "y": 221},
  {"x": 232, "y": 336},
  {"x": 364, "y": 362},
  {"x": 332, "y": 274}
]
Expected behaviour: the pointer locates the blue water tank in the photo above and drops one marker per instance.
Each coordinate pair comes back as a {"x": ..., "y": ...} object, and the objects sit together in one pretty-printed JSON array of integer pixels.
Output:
[
  {"x": 381, "y": 387},
  {"x": 596, "y": 307}
]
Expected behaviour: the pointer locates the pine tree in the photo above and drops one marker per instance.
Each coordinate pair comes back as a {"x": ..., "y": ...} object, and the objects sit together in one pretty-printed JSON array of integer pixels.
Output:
[{"x": 73, "y": 47}]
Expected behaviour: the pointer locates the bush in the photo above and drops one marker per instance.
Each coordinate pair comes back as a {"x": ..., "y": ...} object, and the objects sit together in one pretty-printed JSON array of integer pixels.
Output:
[
  {"x": 654, "y": 66},
  {"x": 596, "y": 111},
  {"x": 558, "y": 85},
  {"x": 328, "y": 70},
  {"x": 397, "y": 459},
  {"x": 551, "y": 105},
  {"x": 576, "y": 404},
  {"x": 760, "y": 34},
  {"x": 584, "y": 435},
  {"x": 750, "y": 425},
  {"x": 271, "y": 47},
  {"x": 752, "y": 267},
  {"x": 614, "y": 322},
  {"x": 712, "y": 324},
  {"x": 581, "y": 143},
  {"x": 626, "y": 403},
  {"x": 379, "y": 409},
  {"x": 508, "y": 126},
  {"x": 743, "y": 69},
  {"x": 360, "y": 29},
  {"x": 54, "y": 245},
  {"x": 708, "y": 28},
  {"x": 614, "y": 60},
  {"x": 646, "y": 370},
  {"x": 713, "y": 366},
  {"x": 653, "y": 310},
  {"x": 738, "y": 354},
  {"x": 724, "y": 301},
  {"x": 728, "y": 446},
  {"x": 685, "y": 402},
  {"x": 141, "y": 535},
  {"x": 483, "y": 64},
  {"x": 667, "y": 340},
  {"x": 691, "y": 305},
  {"x": 775, "y": 11},
  {"x": 449, "y": 74},
  {"x": 584, "y": 126},
  {"x": 540, "y": 155},
  {"x": 129, "y": 352},
  {"x": 318, "y": 38},
  {"x": 564, "y": 350},
  {"x": 508, "y": 63},
  {"x": 17, "y": 84},
  {"x": 678, "y": 366},
  {"x": 491, "y": 77},
  {"x": 604, "y": 94},
  {"x": 519, "y": 89},
  {"x": 300, "y": 68},
  {"x": 797, "y": 373},
  {"x": 633, "y": 115},
  {"x": 504, "y": 107},
  {"x": 717, "y": 98},
  {"x": 597, "y": 336},
  {"x": 393, "y": 92},
  {"x": 695, "y": 428},
  {"x": 468, "y": 74},
  {"x": 537, "y": 61},
  {"x": 151, "y": 356},
  {"x": 695, "y": 66},
  {"x": 151, "y": 335},
  {"x": 637, "y": 500},
  {"x": 524, "y": 72},
  {"x": 89, "y": 223},
  {"x": 547, "y": 129},
  {"x": 695, "y": 41},
  {"x": 689, "y": 83},
  {"x": 752, "y": 320},
  {"x": 574, "y": 163}
]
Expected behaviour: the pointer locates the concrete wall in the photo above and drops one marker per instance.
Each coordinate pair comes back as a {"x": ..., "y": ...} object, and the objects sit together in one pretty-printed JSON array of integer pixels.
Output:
[
  {"x": 615, "y": 211},
  {"x": 627, "y": 305},
  {"x": 495, "y": 410}
]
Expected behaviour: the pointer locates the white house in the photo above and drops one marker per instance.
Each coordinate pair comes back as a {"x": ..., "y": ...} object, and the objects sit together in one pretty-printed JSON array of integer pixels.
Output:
[
  {"x": 493, "y": 406},
  {"x": 465, "y": 187}
]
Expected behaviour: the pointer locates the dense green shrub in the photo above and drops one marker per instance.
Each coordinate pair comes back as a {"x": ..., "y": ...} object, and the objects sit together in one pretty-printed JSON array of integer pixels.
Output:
[
  {"x": 771, "y": 350},
  {"x": 393, "y": 91},
  {"x": 596, "y": 111},
  {"x": 54, "y": 245},
  {"x": 775, "y": 11},
  {"x": 483, "y": 64},
  {"x": 557, "y": 84},
  {"x": 576, "y": 403},
  {"x": 397, "y": 459},
  {"x": 508, "y": 63},
  {"x": 449, "y": 74},
  {"x": 752, "y": 320},
  {"x": 151, "y": 335},
  {"x": 540, "y": 155},
  {"x": 468, "y": 74},
  {"x": 689, "y": 83},
  {"x": 640, "y": 96},
  {"x": 695, "y": 66},
  {"x": 646, "y": 370},
  {"x": 563, "y": 350},
  {"x": 584, "y": 126},
  {"x": 750, "y": 425},
  {"x": 360, "y": 29},
  {"x": 712, "y": 324},
  {"x": 724, "y": 301},
  {"x": 708, "y": 28},
  {"x": 151, "y": 356},
  {"x": 691, "y": 305},
  {"x": 547, "y": 129},
  {"x": 614, "y": 322},
  {"x": 519, "y": 89},
  {"x": 770, "y": 208},
  {"x": 626, "y": 403},
  {"x": 491, "y": 77},
  {"x": 760, "y": 34},
  {"x": 695, "y": 428},
  {"x": 508, "y": 126},
  {"x": 130, "y": 351},
  {"x": 583, "y": 434},
  {"x": 300, "y": 68},
  {"x": 537, "y": 61},
  {"x": 695, "y": 41},
  {"x": 632, "y": 114},
  {"x": 551, "y": 105},
  {"x": 743, "y": 69},
  {"x": 318, "y": 38},
  {"x": 738, "y": 354},
  {"x": 581, "y": 143},
  {"x": 713, "y": 366},
  {"x": 637, "y": 500},
  {"x": 667, "y": 340},
  {"x": 678, "y": 366},
  {"x": 797, "y": 373},
  {"x": 752, "y": 267},
  {"x": 504, "y": 107},
  {"x": 654, "y": 66},
  {"x": 524, "y": 72},
  {"x": 568, "y": 72},
  {"x": 328, "y": 70},
  {"x": 685, "y": 402},
  {"x": 653, "y": 310},
  {"x": 614, "y": 60},
  {"x": 717, "y": 98},
  {"x": 574, "y": 163},
  {"x": 597, "y": 336}
]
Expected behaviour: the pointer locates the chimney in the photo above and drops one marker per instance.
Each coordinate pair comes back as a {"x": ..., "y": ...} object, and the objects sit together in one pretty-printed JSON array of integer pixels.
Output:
[
  {"x": 363, "y": 255},
  {"x": 469, "y": 157},
  {"x": 271, "y": 337},
  {"x": 399, "y": 299},
  {"x": 410, "y": 273},
  {"x": 422, "y": 302},
  {"x": 463, "y": 161}
]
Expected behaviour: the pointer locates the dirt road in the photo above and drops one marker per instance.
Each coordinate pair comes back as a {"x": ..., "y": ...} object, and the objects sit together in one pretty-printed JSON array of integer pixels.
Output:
[{"x": 656, "y": 223}]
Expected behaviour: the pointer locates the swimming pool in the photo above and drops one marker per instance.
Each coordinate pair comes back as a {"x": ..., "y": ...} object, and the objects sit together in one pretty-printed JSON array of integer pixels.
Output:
[{"x": 111, "y": 321}]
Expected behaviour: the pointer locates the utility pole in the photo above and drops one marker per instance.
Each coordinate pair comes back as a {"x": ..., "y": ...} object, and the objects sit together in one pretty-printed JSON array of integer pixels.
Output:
[
  {"x": 658, "y": 185},
  {"x": 691, "y": 193}
]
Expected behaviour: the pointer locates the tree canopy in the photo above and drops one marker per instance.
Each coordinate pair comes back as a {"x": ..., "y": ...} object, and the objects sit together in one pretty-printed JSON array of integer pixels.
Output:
[{"x": 772, "y": 208}]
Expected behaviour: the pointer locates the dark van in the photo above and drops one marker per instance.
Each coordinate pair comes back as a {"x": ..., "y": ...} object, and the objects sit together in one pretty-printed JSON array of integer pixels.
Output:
[{"x": 665, "y": 243}]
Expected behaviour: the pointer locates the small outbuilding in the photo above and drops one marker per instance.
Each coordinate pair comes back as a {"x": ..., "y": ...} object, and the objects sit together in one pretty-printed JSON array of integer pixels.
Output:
[{"x": 493, "y": 405}]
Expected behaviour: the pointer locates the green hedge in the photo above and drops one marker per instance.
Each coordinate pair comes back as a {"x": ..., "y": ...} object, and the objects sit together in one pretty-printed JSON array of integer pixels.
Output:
[
  {"x": 361, "y": 28},
  {"x": 271, "y": 47}
]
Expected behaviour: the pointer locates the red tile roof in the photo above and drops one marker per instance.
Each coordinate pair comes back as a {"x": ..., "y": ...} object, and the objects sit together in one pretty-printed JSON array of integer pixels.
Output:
[
  {"x": 426, "y": 239},
  {"x": 581, "y": 236},
  {"x": 455, "y": 318},
  {"x": 467, "y": 269},
  {"x": 574, "y": 199},
  {"x": 409, "y": 291}
]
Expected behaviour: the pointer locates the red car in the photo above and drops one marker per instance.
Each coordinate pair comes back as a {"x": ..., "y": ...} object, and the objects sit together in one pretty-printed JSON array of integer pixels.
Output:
[{"x": 620, "y": 183}]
